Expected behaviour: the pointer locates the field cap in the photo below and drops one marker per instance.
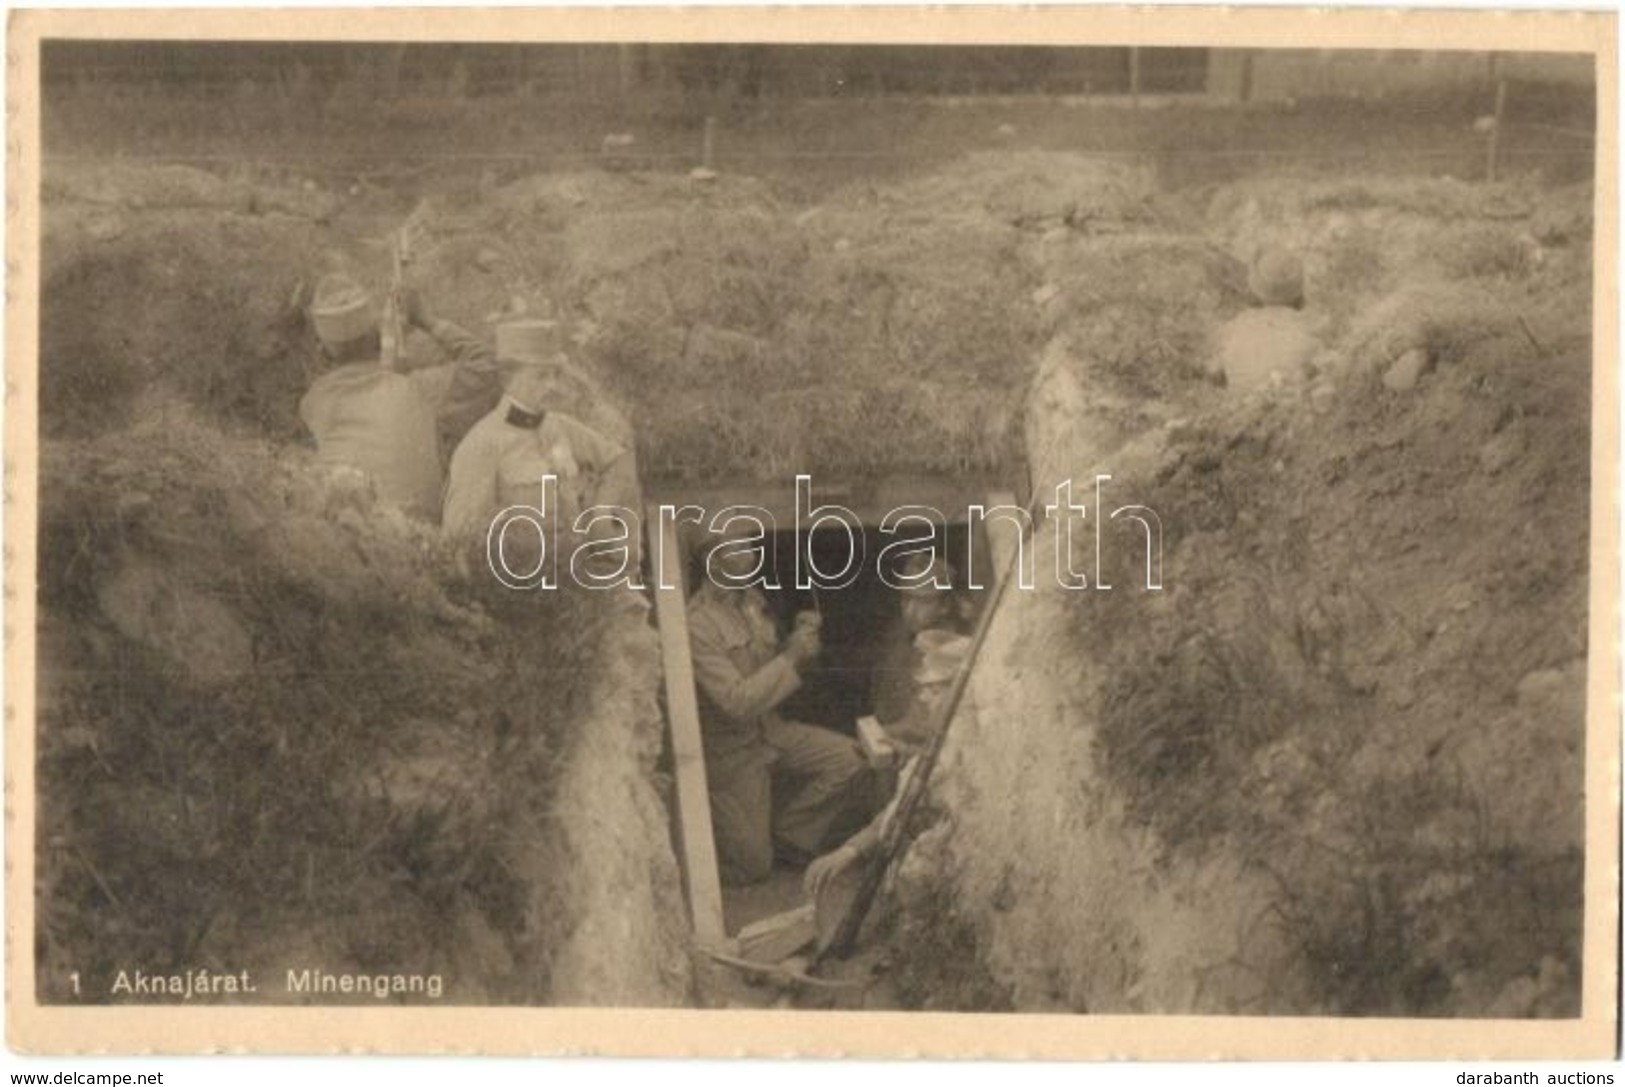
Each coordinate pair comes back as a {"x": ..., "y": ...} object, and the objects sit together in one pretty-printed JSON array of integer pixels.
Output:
[
  {"x": 554, "y": 385},
  {"x": 341, "y": 310},
  {"x": 1277, "y": 278}
]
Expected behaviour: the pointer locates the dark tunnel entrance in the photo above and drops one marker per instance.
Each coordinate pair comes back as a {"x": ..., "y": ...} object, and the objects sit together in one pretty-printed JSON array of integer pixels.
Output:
[
  {"x": 863, "y": 624},
  {"x": 870, "y": 655},
  {"x": 864, "y": 635}
]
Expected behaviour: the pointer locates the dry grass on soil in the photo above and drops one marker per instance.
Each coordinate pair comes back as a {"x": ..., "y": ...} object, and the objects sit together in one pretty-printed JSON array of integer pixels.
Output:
[
  {"x": 271, "y": 735},
  {"x": 1337, "y": 690},
  {"x": 878, "y": 339},
  {"x": 1363, "y": 688},
  {"x": 1336, "y": 695}
]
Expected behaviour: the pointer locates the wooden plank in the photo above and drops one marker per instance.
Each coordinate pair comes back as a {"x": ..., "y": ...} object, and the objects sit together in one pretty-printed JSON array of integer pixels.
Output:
[
  {"x": 1003, "y": 536},
  {"x": 683, "y": 716}
]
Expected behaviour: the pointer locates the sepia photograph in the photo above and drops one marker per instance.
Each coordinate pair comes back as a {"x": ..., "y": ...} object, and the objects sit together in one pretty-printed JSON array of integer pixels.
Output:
[{"x": 1036, "y": 531}]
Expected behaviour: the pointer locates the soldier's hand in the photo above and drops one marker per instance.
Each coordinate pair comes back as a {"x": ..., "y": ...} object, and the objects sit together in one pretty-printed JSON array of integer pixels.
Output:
[
  {"x": 413, "y": 309},
  {"x": 803, "y": 644},
  {"x": 304, "y": 292},
  {"x": 823, "y": 870},
  {"x": 882, "y": 758}
]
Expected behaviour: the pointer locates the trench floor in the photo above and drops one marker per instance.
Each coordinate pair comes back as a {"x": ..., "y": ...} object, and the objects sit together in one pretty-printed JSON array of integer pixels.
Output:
[
  {"x": 866, "y": 970},
  {"x": 781, "y": 891}
]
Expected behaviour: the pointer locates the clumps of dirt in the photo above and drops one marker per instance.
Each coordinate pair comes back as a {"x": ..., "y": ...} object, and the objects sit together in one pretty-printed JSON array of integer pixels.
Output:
[
  {"x": 202, "y": 304},
  {"x": 1138, "y": 310},
  {"x": 1297, "y": 760},
  {"x": 939, "y": 969},
  {"x": 1345, "y": 648},
  {"x": 274, "y": 734},
  {"x": 1360, "y": 240},
  {"x": 1445, "y": 321}
]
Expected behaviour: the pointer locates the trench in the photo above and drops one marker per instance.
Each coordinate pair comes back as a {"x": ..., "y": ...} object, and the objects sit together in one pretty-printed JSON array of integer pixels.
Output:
[
  {"x": 247, "y": 371},
  {"x": 1135, "y": 733},
  {"x": 866, "y": 664}
]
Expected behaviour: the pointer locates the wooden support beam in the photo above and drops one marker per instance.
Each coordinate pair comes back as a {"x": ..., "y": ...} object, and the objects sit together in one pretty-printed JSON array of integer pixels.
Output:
[
  {"x": 1492, "y": 149},
  {"x": 698, "y": 846},
  {"x": 870, "y": 498},
  {"x": 708, "y": 144}
]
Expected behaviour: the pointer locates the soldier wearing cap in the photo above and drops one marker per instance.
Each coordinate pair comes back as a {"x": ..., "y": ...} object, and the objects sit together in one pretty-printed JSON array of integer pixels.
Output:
[
  {"x": 929, "y": 602},
  {"x": 1272, "y": 342},
  {"x": 392, "y": 426},
  {"x": 943, "y": 655},
  {"x": 776, "y": 785},
  {"x": 536, "y": 433}
]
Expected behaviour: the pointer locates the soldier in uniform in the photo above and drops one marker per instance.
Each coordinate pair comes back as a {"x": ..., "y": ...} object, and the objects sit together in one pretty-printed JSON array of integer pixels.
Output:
[
  {"x": 1273, "y": 342},
  {"x": 531, "y": 435},
  {"x": 776, "y": 785},
  {"x": 393, "y": 427}
]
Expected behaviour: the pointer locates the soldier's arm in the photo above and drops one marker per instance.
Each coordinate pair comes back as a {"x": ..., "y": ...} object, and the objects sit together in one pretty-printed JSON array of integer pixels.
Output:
[
  {"x": 310, "y": 414},
  {"x": 471, "y": 384},
  {"x": 471, "y": 494},
  {"x": 867, "y": 840},
  {"x": 740, "y": 696},
  {"x": 822, "y": 871},
  {"x": 611, "y": 462}
]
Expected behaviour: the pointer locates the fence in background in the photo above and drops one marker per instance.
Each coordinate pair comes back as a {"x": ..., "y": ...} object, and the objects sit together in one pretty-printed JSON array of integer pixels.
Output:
[
  {"x": 597, "y": 70},
  {"x": 740, "y": 106},
  {"x": 600, "y": 71}
]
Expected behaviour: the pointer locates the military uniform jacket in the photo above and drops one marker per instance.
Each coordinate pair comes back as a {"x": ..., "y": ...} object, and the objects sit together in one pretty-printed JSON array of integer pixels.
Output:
[{"x": 741, "y": 673}]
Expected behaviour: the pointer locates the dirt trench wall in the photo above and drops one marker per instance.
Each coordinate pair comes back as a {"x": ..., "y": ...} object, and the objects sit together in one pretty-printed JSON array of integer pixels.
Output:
[
  {"x": 275, "y": 734},
  {"x": 1069, "y": 903},
  {"x": 1335, "y": 766},
  {"x": 515, "y": 805},
  {"x": 1321, "y": 771},
  {"x": 629, "y": 945}
]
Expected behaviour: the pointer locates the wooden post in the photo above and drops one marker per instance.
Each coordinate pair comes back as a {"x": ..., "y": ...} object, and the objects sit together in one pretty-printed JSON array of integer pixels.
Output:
[
  {"x": 694, "y": 833},
  {"x": 1493, "y": 150},
  {"x": 626, "y": 67},
  {"x": 1134, "y": 76},
  {"x": 1003, "y": 545}
]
